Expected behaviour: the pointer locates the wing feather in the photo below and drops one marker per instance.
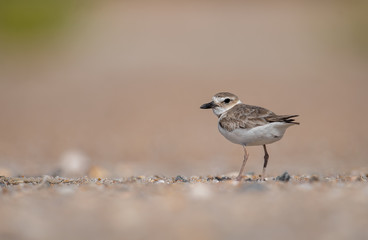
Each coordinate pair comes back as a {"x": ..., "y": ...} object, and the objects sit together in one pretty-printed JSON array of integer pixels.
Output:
[{"x": 248, "y": 116}]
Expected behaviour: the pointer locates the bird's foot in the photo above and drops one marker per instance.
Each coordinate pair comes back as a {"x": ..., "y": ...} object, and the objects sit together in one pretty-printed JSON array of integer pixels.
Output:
[
  {"x": 262, "y": 178},
  {"x": 239, "y": 178}
]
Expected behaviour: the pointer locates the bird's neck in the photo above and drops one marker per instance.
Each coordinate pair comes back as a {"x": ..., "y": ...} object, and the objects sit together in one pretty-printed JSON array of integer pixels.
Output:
[{"x": 221, "y": 111}]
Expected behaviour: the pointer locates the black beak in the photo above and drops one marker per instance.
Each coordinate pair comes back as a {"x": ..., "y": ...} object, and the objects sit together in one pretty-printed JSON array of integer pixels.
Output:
[{"x": 208, "y": 105}]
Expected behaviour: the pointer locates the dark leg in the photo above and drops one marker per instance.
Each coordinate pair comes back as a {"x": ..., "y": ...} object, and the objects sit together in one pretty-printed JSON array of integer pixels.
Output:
[
  {"x": 266, "y": 156},
  {"x": 239, "y": 177}
]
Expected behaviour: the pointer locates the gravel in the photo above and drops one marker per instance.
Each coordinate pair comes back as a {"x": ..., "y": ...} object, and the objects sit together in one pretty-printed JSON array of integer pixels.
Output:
[{"x": 185, "y": 207}]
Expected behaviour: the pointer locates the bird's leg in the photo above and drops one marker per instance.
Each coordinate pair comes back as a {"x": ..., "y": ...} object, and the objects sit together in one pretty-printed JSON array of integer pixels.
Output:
[
  {"x": 239, "y": 177},
  {"x": 266, "y": 156}
]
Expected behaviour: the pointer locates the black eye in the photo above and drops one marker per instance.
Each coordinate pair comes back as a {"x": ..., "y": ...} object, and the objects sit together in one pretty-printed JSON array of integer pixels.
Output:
[{"x": 227, "y": 100}]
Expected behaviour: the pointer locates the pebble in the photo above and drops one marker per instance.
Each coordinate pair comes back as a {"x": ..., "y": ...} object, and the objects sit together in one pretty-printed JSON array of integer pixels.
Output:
[
  {"x": 314, "y": 178},
  {"x": 225, "y": 178},
  {"x": 285, "y": 177},
  {"x": 74, "y": 163},
  {"x": 180, "y": 179},
  {"x": 160, "y": 181},
  {"x": 304, "y": 180}
]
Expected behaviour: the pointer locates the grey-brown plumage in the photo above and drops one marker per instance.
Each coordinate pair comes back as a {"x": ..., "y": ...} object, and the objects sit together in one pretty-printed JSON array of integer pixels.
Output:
[
  {"x": 248, "y": 116},
  {"x": 248, "y": 125}
]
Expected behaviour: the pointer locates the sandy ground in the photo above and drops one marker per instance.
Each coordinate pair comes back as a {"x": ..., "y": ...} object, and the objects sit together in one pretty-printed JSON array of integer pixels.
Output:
[{"x": 212, "y": 207}]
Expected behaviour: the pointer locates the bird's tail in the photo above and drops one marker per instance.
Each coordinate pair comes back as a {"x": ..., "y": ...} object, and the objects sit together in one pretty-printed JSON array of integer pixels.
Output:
[{"x": 283, "y": 118}]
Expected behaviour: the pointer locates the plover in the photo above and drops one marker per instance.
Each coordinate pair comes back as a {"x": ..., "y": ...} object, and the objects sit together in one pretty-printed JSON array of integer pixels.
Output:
[{"x": 248, "y": 125}]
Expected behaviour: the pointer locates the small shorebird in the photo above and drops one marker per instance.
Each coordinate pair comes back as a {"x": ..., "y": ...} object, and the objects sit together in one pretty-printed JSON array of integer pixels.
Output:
[{"x": 248, "y": 125}]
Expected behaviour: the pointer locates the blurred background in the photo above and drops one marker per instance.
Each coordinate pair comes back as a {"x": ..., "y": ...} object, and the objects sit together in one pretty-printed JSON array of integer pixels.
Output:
[{"x": 113, "y": 88}]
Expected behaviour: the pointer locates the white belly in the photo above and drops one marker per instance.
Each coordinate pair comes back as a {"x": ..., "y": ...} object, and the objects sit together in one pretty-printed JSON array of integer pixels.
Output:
[{"x": 265, "y": 134}]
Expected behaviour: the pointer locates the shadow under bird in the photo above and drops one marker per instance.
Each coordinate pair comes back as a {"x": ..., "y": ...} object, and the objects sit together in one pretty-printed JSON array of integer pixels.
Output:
[{"x": 248, "y": 125}]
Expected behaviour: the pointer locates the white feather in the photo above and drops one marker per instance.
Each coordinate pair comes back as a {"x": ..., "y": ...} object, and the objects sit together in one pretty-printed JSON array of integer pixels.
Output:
[
  {"x": 220, "y": 110},
  {"x": 260, "y": 135}
]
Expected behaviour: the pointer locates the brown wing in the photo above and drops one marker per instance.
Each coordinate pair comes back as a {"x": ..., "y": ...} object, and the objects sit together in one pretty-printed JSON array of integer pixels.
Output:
[{"x": 245, "y": 116}]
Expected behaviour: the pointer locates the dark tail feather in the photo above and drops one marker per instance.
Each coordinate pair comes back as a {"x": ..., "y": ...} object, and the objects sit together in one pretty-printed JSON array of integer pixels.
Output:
[{"x": 283, "y": 118}]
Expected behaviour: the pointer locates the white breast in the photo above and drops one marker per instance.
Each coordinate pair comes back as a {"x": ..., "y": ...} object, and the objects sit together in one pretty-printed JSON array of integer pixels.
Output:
[{"x": 265, "y": 134}]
